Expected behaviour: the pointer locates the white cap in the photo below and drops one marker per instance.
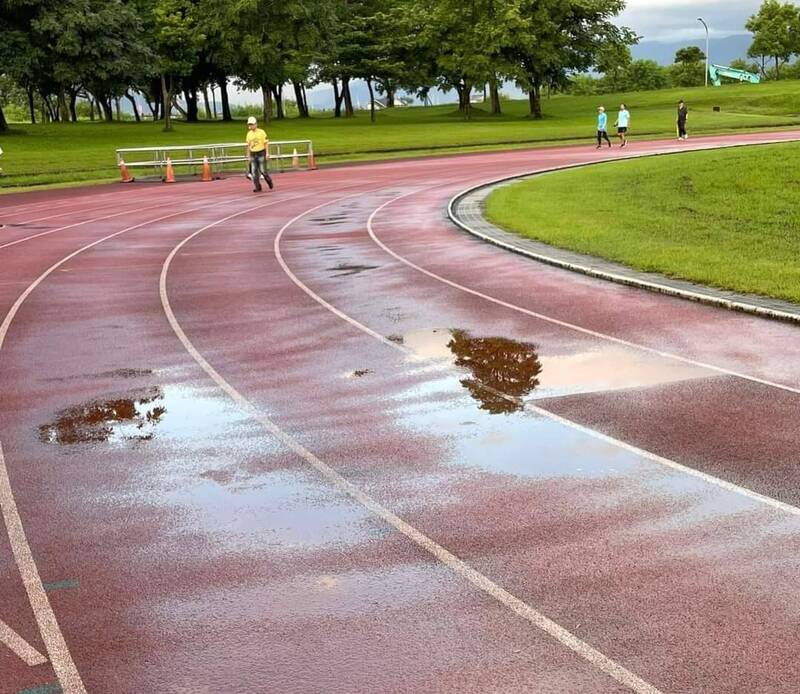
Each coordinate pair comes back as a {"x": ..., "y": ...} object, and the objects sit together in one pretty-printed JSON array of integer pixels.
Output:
[{"x": 251, "y": 120}]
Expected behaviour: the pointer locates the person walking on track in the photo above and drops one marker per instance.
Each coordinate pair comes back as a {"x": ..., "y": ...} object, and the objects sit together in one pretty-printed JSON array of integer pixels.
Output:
[
  {"x": 682, "y": 113},
  {"x": 602, "y": 124},
  {"x": 257, "y": 146},
  {"x": 622, "y": 123}
]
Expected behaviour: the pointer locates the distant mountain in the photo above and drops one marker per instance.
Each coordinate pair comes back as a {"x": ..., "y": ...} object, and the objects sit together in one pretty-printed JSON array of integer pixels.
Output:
[{"x": 721, "y": 51}]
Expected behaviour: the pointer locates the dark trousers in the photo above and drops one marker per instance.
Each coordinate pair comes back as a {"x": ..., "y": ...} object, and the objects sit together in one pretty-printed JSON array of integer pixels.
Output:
[
  {"x": 600, "y": 135},
  {"x": 681, "y": 128},
  {"x": 258, "y": 167}
]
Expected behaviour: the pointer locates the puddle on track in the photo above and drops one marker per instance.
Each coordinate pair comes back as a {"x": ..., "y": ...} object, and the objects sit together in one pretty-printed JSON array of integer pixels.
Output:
[
  {"x": 520, "y": 369},
  {"x": 143, "y": 414},
  {"x": 132, "y": 418}
]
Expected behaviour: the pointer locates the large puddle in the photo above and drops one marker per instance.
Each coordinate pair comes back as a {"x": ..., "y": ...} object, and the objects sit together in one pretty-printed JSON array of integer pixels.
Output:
[{"x": 503, "y": 371}]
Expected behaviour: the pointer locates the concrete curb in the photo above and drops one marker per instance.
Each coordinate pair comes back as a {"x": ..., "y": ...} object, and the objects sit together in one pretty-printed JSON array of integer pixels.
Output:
[{"x": 601, "y": 269}]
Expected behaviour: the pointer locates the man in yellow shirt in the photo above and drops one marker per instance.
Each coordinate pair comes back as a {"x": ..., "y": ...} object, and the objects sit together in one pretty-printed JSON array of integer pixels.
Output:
[{"x": 258, "y": 151}]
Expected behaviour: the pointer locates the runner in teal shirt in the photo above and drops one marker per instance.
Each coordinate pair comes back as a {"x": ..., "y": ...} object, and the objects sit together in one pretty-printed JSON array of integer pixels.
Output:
[
  {"x": 602, "y": 123},
  {"x": 623, "y": 120}
]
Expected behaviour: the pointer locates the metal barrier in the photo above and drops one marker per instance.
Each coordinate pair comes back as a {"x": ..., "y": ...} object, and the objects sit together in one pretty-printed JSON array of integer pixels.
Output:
[{"x": 224, "y": 157}]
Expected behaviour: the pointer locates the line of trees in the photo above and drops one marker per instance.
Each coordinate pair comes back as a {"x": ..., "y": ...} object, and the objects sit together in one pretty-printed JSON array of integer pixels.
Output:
[{"x": 58, "y": 54}]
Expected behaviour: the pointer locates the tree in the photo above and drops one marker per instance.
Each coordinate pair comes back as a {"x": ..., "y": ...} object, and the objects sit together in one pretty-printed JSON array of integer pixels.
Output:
[
  {"x": 178, "y": 41},
  {"x": 612, "y": 59},
  {"x": 775, "y": 34},
  {"x": 644, "y": 75},
  {"x": 557, "y": 36},
  {"x": 690, "y": 55}
]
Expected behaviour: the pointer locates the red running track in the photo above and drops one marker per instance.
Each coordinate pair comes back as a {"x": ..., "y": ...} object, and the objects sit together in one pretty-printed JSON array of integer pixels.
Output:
[{"x": 319, "y": 440}]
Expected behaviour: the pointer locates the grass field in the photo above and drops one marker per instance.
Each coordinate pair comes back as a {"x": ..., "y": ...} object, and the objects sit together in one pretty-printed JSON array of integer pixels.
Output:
[
  {"x": 727, "y": 218},
  {"x": 70, "y": 152}
]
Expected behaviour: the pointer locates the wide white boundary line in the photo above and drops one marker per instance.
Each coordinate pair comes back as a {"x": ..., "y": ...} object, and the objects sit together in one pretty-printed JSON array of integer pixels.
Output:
[
  {"x": 57, "y": 649},
  {"x": 19, "y": 646},
  {"x": 480, "y": 581}
]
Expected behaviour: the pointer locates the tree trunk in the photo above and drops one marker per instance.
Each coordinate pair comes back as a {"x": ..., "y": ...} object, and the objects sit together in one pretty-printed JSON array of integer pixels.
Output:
[
  {"x": 130, "y": 98},
  {"x": 62, "y": 106},
  {"x": 116, "y": 108},
  {"x": 153, "y": 108},
  {"x": 277, "y": 93},
  {"x": 266, "y": 97},
  {"x": 494, "y": 93},
  {"x": 3, "y": 121},
  {"x": 178, "y": 107},
  {"x": 213, "y": 99},
  {"x": 348, "y": 98},
  {"x": 535, "y": 101},
  {"x": 390, "y": 91},
  {"x": 51, "y": 114},
  {"x": 166, "y": 100},
  {"x": 337, "y": 99},
  {"x": 206, "y": 102},
  {"x": 302, "y": 107},
  {"x": 371, "y": 101},
  {"x": 190, "y": 95},
  {"x": 31, "y": 105},
  {"x": 464, "y": 105},
  {"x": 777, "y": 68},
  {"x": 73, "y": 99},
  {"x": 223, "y": 95}
]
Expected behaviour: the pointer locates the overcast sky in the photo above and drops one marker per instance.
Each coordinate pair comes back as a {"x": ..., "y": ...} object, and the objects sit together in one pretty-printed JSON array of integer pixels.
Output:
[{"x": 675, "y": 20}]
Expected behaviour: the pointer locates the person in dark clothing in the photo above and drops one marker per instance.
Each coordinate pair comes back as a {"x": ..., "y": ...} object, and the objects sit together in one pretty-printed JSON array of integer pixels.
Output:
[{"x": 682, "y": 113}]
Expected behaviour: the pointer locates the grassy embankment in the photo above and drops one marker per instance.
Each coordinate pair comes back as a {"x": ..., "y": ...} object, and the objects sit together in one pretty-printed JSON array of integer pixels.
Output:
[
  {"x": 81, "y": 152},
  {"x": 727, "y": 218}
]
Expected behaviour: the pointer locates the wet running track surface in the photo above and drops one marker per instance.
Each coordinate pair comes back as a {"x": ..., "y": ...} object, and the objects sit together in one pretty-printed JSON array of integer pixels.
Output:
[{"x": 319, "y": 440}]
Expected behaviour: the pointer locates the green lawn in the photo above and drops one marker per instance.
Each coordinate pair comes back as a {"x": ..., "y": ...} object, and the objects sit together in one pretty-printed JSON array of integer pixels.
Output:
[
  {"x": 70, "y": 152},
  {"x": 727, "y": 218}
]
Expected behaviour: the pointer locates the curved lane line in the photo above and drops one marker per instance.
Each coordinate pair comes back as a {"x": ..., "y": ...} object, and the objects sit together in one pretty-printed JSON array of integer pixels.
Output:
[
  {"x": 64, "y": 666},
  {"x": 607, "y": 275},
  {"x": 556, "y": 321},
  {"x": 711, "y": 479},
  {"x": 647, "y": 455},
  {"x": 458, "y": 566},
  {"x": 100, "y": 219}
]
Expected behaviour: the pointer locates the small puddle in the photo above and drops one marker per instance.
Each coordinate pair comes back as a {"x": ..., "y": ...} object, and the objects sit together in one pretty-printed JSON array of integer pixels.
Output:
[{"x": 133, "y": 418}]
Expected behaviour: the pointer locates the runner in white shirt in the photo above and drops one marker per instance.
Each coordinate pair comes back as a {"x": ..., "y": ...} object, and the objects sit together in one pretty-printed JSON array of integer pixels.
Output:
[{"x": 623, "y": 121}]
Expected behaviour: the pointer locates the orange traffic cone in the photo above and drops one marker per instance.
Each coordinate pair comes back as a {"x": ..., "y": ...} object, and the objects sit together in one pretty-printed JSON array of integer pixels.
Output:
[
  {"x": 312, "y": 163},
  {"x": 206, "y": 170},
  {"x": 123, "y": 172},
  {"x": 170, "y": 177},
  {"x": 295, "y": 159}
]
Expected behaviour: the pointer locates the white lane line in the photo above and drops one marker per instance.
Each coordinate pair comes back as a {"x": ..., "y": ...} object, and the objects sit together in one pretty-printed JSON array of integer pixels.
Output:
[
  {"x": 100, "y": 219},
  {"x": 65, "y": 669},
  {"x": 660, "y": 460},
  {"x": 57, "y": 649},
  {"x": 19, "y": 646},
  {"x": 561, "y": 323},
  {"x": 458, "y": 566}
]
